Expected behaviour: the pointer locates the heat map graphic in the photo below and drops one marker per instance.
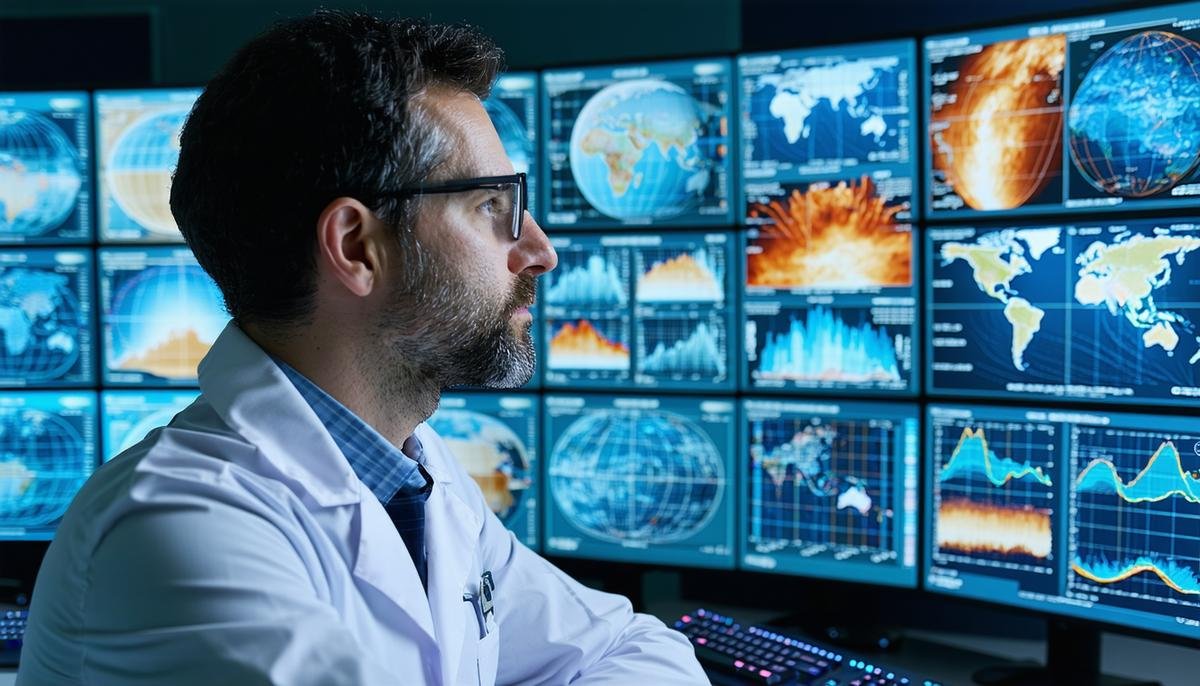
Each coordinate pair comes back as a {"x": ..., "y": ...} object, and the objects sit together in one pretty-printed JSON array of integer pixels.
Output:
[
  {"x": 1134, "y": 493},
  {"x": 992, "y": 507},
  {"x": 684, "y": 277},
  {"x": 581, "y": 345},
  {"x": 996, "y": 124},
  {"x": 830, "y": 236}
]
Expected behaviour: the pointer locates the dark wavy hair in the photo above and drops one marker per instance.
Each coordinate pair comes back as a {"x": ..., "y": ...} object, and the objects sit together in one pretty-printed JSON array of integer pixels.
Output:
[{"x": 313, "y": 109}]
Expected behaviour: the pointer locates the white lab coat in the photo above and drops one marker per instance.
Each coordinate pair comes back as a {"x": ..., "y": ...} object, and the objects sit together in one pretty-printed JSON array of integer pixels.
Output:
[{"x": 236, "y": 546}]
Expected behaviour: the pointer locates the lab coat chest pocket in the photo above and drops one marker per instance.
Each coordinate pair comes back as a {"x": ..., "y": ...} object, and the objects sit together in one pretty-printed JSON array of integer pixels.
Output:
[
  {"x": 481, "y": 654},
  {"x": 489, "y": 654}
]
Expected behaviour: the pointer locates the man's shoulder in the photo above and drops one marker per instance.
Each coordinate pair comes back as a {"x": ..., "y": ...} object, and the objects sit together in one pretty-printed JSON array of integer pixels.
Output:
[{"x": 195, "y": 457}]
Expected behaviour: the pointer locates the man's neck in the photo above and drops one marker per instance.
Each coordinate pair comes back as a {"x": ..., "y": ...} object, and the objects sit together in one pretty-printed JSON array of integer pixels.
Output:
[{"x": 393, "y": 403}]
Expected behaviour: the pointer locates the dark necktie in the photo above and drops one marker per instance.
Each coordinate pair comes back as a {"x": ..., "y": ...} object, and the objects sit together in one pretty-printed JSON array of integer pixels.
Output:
[{"x": 407, "y": 511}]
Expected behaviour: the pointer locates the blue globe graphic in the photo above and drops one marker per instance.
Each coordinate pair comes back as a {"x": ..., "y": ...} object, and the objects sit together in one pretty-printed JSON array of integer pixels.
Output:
[
  {"x": 41, "y": 325},
  {"x": 634, "y": 150},
  {"x": 139, "y": 169},
  {"x": 1134, "y": 122},
  {"x": 513, "y": 135},
  {"x": 636, "y": 476},
  {"x": 491, "y": 453},
  {"x": 40, "y": 175},
  {"x": 43, "y": 463}
]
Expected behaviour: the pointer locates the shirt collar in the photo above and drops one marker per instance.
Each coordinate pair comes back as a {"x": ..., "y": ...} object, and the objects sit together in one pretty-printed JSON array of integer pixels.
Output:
[{"x": 382, "y": 467}]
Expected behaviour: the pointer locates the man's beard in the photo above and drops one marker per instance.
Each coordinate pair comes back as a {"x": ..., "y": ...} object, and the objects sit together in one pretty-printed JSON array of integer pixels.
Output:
[{"x": 439, "y": 331}]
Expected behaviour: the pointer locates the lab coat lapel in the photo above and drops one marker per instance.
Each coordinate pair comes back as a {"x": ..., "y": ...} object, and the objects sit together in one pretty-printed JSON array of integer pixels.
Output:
[
  {"x": 451, "y": 529},
  {"x": 383, "y": 563},
  {"x": 254, "y": 398}
]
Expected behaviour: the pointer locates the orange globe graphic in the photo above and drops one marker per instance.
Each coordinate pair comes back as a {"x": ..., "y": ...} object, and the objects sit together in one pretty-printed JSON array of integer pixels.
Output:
[{"x": 998, "y": 138}]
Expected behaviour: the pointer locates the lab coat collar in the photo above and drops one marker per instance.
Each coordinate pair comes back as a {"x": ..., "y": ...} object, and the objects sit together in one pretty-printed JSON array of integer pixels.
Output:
[{"x": 255, "y": 399}]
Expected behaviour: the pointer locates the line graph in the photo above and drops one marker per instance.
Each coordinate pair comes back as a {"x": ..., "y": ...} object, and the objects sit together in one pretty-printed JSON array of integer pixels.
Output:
[
  {"x": 1135, "y": 518},
  {"x": 994, "y": 494}
]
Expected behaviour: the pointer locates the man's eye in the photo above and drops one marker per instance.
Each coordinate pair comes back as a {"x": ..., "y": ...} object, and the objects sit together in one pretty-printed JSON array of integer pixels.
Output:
[{"x": 494, "y": 205}]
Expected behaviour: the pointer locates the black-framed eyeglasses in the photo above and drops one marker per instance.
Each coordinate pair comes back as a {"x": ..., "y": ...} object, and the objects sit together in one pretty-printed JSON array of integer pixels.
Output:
[{"x": 507, "y": 207}]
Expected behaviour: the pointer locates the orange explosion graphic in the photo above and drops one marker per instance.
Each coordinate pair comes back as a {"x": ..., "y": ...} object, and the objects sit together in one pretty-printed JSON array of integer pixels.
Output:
[
  {"x": 998, "y": 138},
  {"x": 840, "y": 236},
  {"x": 968, "y": 527}
]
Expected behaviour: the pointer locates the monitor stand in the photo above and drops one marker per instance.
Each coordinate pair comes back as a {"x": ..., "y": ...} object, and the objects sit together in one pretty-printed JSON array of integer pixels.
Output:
[{"x": 1072, "y": 657}]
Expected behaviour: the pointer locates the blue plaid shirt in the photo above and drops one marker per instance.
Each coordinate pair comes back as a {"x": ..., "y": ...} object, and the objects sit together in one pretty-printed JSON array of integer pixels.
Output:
[{"x": 383, "y": 468}]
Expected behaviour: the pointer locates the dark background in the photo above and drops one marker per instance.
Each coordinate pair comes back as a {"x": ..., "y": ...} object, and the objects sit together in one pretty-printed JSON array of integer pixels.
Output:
[{"x": 116, "y": 43}]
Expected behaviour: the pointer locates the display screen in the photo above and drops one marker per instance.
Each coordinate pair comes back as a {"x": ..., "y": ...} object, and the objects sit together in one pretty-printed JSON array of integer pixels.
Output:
[
  {"x": 1087, "y": 514},
  {"x": 639, "y": 145},
  {"x": 46, "y": 318},
  {"x": 641, "y": 479},
  {"x": 48, "y": 443},
  {"x": 1095, "y": 311},
  {"x": 137, "y": 148},
  {"x": 160, "y": 313},
  {"x": 642, "y": 310},
  {"x": 45, "y": 168},
  {"x": 830, "y": 489},
  {"x": 1095, "y": 113}
]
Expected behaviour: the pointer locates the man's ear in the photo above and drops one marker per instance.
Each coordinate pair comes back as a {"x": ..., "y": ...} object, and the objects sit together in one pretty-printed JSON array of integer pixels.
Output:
[{"x": 349, "y": 245}]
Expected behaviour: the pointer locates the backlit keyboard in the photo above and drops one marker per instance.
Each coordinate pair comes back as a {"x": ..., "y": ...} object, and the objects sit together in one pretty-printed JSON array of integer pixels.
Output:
[
  {"x": 12, "y": 633},
  {"x": 761, "y": 656}
]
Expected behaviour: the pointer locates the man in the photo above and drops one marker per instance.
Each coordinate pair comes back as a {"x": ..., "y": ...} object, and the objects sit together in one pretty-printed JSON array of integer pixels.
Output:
[{"x": 300, "y": 524}]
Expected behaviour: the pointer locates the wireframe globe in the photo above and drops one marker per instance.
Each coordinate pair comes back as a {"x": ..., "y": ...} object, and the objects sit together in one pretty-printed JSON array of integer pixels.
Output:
[
  {"x": 139, "y": 170},
  {"x": 1134, "y": 122},
  {"x": 43, "y": 464},
  {"x": 636, "y": 476},
  {"x": 492, "y": 454},
  {"x": 513, "y": 135},
  {"x": 40, "y": 175},
  {"x": 40, "y": 325},
  {"x": 634, "y": 151}
]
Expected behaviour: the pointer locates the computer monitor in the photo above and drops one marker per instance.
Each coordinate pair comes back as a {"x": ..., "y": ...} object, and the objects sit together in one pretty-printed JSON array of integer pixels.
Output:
[
  {"x": 137, "y": 148},
  {"x": 641, "y": 478},
  {"x": 45, "y": 167},
  {"x": 159, "y": 313},
  {"x": 49, "y": 441},
  {"x": 1094, "y": 113},
  {"x": 1083, "y": 514},
  {"x": 1100, "y": 311},
  {"x": 829, "y": 489},
  {"x": 495, "y": 438},
  {"x": 127, "y": 416},
  {"x": 828, "y": 163},
  {"x": 512, "y": 107},
  {"x": 638, "y": 144},
  {"x": 46, "y": 318},
  {"x": 829, "y": 115},
  {"x": 641, "y": 310}
]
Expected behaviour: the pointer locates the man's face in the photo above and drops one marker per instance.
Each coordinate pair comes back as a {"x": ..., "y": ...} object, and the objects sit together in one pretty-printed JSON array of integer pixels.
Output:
[{"x": 458, "y": 304}]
